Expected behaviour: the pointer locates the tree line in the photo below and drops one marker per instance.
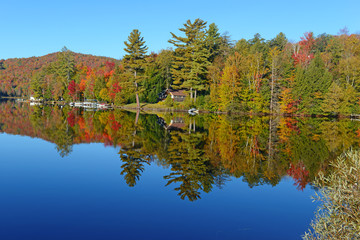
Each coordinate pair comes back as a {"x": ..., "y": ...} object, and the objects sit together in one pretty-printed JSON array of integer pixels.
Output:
[{"x": 317, "y": 75}]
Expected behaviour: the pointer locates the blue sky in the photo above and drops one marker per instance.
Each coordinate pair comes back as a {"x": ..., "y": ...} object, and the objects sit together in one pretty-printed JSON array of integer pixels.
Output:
[{"x": 36, "y": 28}]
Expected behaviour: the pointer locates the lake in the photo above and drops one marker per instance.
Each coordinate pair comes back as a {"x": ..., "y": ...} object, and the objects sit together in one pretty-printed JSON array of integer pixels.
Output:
[{"x": 70, "y": 173}]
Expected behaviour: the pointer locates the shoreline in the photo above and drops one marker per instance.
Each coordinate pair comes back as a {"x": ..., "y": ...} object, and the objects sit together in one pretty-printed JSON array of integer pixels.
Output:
[{"x": 144, "y": 108}]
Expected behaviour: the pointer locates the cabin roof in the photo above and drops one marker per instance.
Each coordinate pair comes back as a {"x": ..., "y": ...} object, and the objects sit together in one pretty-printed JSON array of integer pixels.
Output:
[
  {"x": 176, "y": 92},
  {"x": 176, "y": 126}
]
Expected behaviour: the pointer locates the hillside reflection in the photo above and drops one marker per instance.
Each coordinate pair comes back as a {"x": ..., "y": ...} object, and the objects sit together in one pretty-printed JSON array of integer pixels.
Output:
[{"x": 201, "y": 151}]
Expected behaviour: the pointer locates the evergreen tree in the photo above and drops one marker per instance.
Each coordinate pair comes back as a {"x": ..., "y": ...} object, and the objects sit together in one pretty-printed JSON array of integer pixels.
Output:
[
  {"x": 65, "y": 66},
  {"x": 311, "y": 85},
  {"x": 213, "y": 41},
  {"x": 334, "y": 100},
  {"x": 135, "y": 57},
  {"x": 279, "y": 41},
  {"x": 339, "y": 100},
  {"x": 191, "y": 57},
  {"x": 2, "y": 67},
  {"x": 37, "y": 85},
  {"x": 197, "y": 76},
  {"x": 321, "y": 42},
  {"x": 98, "y": 86},
  {"x": 165, "y": 60}
]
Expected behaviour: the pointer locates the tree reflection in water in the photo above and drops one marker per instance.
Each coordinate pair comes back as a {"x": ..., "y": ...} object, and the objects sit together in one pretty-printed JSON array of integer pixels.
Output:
[{"x": 200, "y": 151}]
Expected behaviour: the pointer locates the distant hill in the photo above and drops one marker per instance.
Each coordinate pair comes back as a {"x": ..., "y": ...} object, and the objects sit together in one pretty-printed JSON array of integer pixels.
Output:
[{"x": 15, "y": 73}]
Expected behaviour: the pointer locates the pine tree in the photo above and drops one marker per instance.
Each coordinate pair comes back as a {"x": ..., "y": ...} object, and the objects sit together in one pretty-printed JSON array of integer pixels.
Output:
[
  {"x": 135, "y": 59},
  {"x": 279, "y": 41},
  {"x": 65, "y": 66},
  {"x": 37, "y": 85},
  {"x": 311, "y": 84},
  {"x": 191, "y": 57},
  {"x": 334, "y": 100},
  {"x": 197, "y": 76},
  {"x": 2, "y": 67},
  {"x": 213, "y": 41},
  {"x": 275, "y": 65}
]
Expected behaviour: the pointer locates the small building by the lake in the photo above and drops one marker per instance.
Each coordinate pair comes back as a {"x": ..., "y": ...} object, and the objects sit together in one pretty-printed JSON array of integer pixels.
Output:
[
  {"x": 177, "y": 123},
  {"x": 33, "y": 99},
  {"x": 176, "y": 95}
]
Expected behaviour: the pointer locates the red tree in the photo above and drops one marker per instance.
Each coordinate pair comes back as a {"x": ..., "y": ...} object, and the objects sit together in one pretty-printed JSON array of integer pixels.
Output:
[{"x": 302, "y": 52}]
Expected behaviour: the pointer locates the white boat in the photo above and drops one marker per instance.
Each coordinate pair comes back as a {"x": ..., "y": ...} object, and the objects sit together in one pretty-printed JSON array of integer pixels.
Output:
[{"x": 193, "y": 111}]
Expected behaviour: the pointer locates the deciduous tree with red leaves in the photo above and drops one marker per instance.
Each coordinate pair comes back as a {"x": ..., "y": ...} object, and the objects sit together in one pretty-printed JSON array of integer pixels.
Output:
[{"x": 302, "y": 51}]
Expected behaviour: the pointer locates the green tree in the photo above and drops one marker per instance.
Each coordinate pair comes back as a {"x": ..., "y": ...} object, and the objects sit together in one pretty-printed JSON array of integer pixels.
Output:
[
  {"x": 135, "y": 57},
  {"x": 197, "y": 76},
  {"x": 311, "y": 85},
  {"x": 37, "y": 85},
  {"x": 2, "y": 66},
  {"x": 279, "y": 41},
  {"x": 191, "y": 57},
  {"x": 155, "y": 79},
  {"x": 213, "y": 41},
  {"x": 334, "y": 100},
  {"x": 99, "y": 86},
  {"x": 165, "y": 60},
  {"x": 65, "y": 67},
  {"x": 321, "y": 42}
]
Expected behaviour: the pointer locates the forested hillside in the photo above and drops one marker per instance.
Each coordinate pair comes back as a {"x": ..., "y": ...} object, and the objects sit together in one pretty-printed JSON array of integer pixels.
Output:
[
  {"x": 16, "y": 73},
  {"x": 317, "y": 75}
]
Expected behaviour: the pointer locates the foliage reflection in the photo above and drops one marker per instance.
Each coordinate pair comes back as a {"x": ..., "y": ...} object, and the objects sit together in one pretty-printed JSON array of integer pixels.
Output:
[{"x": 200, "y": 151}]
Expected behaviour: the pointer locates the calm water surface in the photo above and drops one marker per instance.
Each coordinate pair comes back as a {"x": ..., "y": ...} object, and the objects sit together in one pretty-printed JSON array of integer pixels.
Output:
[{"x": 74, "y": 174}]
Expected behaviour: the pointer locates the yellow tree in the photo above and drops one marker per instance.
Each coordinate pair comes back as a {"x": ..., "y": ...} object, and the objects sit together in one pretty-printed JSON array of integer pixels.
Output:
[{"x": 349, "y": 63}]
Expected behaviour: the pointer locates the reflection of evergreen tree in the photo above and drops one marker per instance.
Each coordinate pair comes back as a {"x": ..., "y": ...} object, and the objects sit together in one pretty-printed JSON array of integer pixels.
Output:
[
  {"x": 63, "y": 139},
  {"x": 189, "y": 167},
  {"x": 154, "y": 138},
  {"x": 55, "y": 126},
  {"x": 257, "y": 149},
  {"x": 132, "y": 152},
  {"x": 221, "y": 177},
  {"x": 36, "y": 117},
  {"x": 133, "y": 166},
  {"x": 309, "y": 148},
  {"x": 62, "y": 135}
]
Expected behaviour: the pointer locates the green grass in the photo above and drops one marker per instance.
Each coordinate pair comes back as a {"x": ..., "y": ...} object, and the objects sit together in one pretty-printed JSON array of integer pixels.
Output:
[{"x": 147, "y": 105}]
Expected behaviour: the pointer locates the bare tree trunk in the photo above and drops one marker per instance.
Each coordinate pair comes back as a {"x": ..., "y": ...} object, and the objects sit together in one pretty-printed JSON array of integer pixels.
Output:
[
  {"x": 167, "y": 77},
  {"x": 137, "y": 116},
  {"x": 272, "y": 88},
  {"x": 195, "y": 96},
  {"x": 273, "y": 124},
  {"x": 270, "y": 162},
  {"x": 191, "y": 93},
  {"x": 137, "y": 101},
  {"x": 136, "y": 92}
]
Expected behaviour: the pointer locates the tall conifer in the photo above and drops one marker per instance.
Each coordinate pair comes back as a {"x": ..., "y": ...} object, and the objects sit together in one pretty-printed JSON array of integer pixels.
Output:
[
  {"x": 135, "y": 59},
  {"x": 191, "y": 57}
]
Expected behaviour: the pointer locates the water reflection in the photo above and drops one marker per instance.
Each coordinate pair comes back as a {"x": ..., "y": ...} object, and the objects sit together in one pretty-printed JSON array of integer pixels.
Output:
[{"x": 201, "y": 151}]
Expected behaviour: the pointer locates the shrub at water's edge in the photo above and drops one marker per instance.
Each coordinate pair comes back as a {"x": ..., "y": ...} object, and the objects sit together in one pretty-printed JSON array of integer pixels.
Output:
[{"x": 339, "y": 214}]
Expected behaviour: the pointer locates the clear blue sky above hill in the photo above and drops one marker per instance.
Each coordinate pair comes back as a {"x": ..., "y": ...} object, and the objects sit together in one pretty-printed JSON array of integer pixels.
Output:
[{"x": 36, "y": 28}]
